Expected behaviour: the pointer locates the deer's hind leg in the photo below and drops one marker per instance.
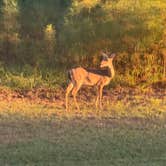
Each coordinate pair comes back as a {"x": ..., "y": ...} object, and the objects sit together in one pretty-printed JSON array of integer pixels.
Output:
[
  {"x": 68, "y": 90},
  {"x": 74, "y": 93}
]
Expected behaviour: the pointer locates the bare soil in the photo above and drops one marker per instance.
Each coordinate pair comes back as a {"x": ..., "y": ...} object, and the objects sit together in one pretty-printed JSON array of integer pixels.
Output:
[{"x": 48, "y": 96}]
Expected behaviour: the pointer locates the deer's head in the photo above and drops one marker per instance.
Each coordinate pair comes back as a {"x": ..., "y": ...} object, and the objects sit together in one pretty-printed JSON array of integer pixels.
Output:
[{"x": 107, "y": 59}]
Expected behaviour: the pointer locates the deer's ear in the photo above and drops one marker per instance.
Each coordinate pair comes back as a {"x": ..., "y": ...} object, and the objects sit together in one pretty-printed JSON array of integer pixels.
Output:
[
  {"x": 104, "y": 55},
  {"x": 112, "y": 55}
]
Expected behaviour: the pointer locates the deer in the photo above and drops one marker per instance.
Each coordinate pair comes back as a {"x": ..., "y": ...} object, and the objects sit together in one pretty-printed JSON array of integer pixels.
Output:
[{"x": 99, "y": 78}]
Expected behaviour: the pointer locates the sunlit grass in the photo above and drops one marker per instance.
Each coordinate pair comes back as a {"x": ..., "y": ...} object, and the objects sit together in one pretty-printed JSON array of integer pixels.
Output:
[
  {"x": 122, "y": 133},
  {"x": 138, "y": 107}
]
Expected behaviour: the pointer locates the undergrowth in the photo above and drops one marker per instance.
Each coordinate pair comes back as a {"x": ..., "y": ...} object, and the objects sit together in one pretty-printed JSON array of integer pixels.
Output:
[{"x": 27, "y": 77}]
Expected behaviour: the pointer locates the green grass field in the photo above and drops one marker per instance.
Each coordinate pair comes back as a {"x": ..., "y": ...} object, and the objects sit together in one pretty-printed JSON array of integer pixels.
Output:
[
  {"x": 38, "y": 133},
  {"x": 80, "y": 143}
]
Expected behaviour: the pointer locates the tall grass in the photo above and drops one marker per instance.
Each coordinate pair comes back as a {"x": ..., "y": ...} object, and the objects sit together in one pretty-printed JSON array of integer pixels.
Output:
[{"x": 29, "y": 78}]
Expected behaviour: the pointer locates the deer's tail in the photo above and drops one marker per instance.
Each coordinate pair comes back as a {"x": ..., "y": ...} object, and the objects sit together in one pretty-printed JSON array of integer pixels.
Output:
[{"x": 70, "y": 75}]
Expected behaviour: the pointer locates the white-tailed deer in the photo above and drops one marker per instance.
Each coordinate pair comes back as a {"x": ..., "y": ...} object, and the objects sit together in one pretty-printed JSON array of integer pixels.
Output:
[{"x": 80, "y": 76}]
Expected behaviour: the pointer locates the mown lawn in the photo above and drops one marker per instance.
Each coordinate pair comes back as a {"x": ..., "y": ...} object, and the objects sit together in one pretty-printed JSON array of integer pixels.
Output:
[{"x": 120, "y": 135}]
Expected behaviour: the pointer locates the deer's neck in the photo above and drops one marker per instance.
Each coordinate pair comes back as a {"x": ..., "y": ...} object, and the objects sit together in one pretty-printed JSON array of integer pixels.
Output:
[{"x": 111, "y": 71}]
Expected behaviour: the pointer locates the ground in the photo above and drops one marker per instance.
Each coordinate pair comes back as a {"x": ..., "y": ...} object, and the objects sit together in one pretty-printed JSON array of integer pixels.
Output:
[{"x": 36, "y": 130}]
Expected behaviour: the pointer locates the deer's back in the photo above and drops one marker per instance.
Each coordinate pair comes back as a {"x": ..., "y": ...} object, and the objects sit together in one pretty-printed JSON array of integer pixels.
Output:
[{"x": 88, "y": 76}]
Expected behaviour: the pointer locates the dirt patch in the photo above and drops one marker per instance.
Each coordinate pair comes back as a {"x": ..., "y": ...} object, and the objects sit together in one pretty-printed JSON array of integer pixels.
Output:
[{"x": 48, "y": 96}]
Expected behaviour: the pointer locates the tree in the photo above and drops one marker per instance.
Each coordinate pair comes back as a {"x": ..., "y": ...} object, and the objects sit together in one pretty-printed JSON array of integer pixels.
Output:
[
  {"x": 50, "y": 40},
  {"x": 10, "y": 32}
]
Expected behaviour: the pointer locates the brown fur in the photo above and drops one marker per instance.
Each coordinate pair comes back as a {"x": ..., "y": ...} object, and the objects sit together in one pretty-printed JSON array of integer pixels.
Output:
[{"x": 80, "y": 76}]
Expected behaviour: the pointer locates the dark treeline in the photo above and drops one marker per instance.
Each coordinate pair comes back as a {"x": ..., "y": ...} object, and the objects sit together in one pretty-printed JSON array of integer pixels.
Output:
[{"x": 59, "y": 34}]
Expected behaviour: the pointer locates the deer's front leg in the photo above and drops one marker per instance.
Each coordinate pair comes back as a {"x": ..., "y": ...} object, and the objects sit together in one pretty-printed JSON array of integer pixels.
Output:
[{"x": 100, "y": 96}]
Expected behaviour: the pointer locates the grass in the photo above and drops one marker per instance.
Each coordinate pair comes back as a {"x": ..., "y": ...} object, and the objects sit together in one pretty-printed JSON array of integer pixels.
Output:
[
  {"x": 40, "y": 133},
  {"x": 89, "y": 145},
  {"x": 28, "y": 77}
]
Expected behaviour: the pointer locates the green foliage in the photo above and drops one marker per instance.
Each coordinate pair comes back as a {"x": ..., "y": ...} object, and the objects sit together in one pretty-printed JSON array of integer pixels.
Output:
[
  {"x": 60, "y": 33},
  {"x": 28, "y": 78}
]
